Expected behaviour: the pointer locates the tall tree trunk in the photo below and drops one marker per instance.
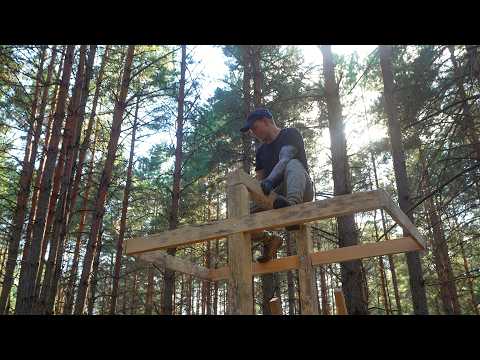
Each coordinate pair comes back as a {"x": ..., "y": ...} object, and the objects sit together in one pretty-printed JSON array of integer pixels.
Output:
[
  {"x": 33, "y": 135},
  {"x": 40, "y": 170},
  {"x": 123, "y": 220},
  {"x": 351, "y": 271},
  {"x": 290, "y": 280},
  {"x": 150, "y": 285},
  {"x": 83, "y": 213},
  {"x": 247, "y": 76},
  {"x": 92, "y": 289},
  {"x": 169, "y": 278},
  {"x": 72, "y": 126},
  {"x": 26, "y": 289},
  {"x": 391, "y": 263},
  {"x": 469, "y": 280},
  {"x": 417, "y": 285},
  {"x": 99, "y": 209},
  {"x": 443, "y": 266}
]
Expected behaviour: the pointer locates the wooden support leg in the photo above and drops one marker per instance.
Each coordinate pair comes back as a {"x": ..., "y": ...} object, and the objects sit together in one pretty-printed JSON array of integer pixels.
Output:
[
  {"x": 340, "y": 302},
  {"x": 275, "y": 305},
  {"x": 306, "y": 272},
  {"x": 239, "y": 254}
]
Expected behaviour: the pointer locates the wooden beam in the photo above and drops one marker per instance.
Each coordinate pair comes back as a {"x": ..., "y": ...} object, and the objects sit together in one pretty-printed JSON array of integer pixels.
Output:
[
  {"x": 239, "y": 254},
  {"x": 306, "y": 272},
  {"x": 340, "y": 305},
  {"x": 175, "y": 263},
  {"x": 253, "y": 187},
  {"x": 401, "y": 219},
  {"x": 298, "y": 214},
  {"x": 388, "y": 247}
]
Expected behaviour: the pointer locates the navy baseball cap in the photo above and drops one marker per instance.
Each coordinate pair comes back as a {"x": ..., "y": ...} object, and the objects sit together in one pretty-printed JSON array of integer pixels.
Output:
[{"x": 255, "y": 115}]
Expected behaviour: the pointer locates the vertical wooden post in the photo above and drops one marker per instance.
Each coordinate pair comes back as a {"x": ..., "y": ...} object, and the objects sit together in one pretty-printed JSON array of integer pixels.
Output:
[
  {"x": 239, "y": 251},
  {"x": 340, "y": 302},
  {"x": 275, "y": 305},
  {"x": 306, "y": 272}
]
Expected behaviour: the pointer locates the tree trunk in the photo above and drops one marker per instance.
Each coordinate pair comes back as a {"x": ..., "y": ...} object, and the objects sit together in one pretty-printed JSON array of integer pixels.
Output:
[
  {"x": 150, "y": 285},
  {"x": 290, "y": 281},
  {"x": 247, "y": 76},
  {"x": 83, "y": 213},
  {"x": 123, "y": 220},
  {"x": 351, "y": 271},
  {"x": 25, "y": 294},
  {"x": 92, "y": 289},
  {"x": 34, "y": 130},
  {"x": 169, "y": 278},
  {"x": 36, "y": 187},
  {"x": 417, "y": 285},
  {"x": 72, "y": 126},
  {"x": 98, "y": 209},
  {"x": 469, "y": 280},
  {"x": 443, "y": 266}
]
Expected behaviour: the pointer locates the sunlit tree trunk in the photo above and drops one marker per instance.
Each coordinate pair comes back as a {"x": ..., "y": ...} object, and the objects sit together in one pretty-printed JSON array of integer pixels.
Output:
[
  {"x": 169, "y": 278},
  {"x": 98, "y": 209},
  {"x": 123, "y": 220},
  {"x": 417, "y": 285},
  {"x": 351, "y": 271},
  {"x": 26, "y": 289},
  {"x": 33, "y": 135}
]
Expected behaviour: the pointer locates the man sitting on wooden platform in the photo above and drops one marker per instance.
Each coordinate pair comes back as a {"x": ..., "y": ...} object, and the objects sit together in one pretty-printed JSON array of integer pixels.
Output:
[{"x": 281, "y": 166}]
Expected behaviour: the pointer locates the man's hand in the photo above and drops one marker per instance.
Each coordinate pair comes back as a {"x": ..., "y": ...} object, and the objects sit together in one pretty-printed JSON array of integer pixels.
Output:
[{"x": 267, "y": 186}]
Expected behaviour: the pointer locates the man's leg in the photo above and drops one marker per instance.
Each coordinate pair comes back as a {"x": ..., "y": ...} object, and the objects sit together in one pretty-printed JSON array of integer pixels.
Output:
[
  {"x": 296, "y": 188},
  {"x": 271, "y": 243}
]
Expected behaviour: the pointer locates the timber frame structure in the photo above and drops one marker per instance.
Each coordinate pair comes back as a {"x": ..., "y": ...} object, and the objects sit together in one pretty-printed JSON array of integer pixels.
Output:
[{"x": 240, "y": 224}]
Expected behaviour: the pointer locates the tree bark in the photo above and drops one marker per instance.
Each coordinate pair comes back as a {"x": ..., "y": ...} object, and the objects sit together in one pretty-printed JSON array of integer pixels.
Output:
[
  {"x": 83, "y": 213},
  {"x": 98, "y": 209},
  {"x": 72, "y": 126},
  {"x": 25, "y": 294},
  {"x": 169, "y": 278},
  {"x": 38, "y": 179},
  {"x": 417, "y": 285},
  {"x": 33, "y": 135},
  {"x": 290, "y": 280},
  {"x": 247, "y": 76},
  {"x": 351, "y": 271},
  {"x": 150, "y": 287},
  {"x": 92, "y": 289},
  {"x": 123, "y": 220}
]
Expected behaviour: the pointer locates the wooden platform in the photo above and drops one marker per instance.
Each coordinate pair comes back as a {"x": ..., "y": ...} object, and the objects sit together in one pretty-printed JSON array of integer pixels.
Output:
[{"x": 151, "y": 248}]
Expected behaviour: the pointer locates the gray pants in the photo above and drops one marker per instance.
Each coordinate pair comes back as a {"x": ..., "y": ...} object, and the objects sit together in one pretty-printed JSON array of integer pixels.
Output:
[{"x": 296, "y": 187}]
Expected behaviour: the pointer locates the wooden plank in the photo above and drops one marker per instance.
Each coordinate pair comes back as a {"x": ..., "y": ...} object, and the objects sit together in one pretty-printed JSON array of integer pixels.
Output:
[
  {"x": 270, "y": 219},
  {"x": 275, "y": 305},
  {"x": 253, "y": 187},
  {"x": 340, "y": 305},
  {"x": 306, "y": 272},
  {"x": 175, "y": 263},
  {"x": 393, "y": 246},
  {"x": 388, "y": 247},
  {"x": 239, "y": 254},
  {"x": 402, "y": 219}
]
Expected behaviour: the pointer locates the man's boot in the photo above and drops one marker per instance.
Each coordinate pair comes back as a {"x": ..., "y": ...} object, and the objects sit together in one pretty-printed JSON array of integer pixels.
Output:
[{"x": 271, "y": 245}]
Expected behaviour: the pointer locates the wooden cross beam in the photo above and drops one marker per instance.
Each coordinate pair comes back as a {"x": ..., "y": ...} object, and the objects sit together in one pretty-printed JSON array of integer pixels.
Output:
[{"x": 298, "y": 214}]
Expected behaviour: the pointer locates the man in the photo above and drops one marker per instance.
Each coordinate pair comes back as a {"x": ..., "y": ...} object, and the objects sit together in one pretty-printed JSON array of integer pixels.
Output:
[{"x": 281, "y": 166}]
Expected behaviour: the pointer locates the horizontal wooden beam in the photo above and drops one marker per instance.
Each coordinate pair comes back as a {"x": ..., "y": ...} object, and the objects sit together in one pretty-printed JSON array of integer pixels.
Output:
[
  {"x": 388, "y": 247},
  {"x": 270, "y": 219},
  {"x": 175, "y": 263},
  {"x": 402, "y": 219}
]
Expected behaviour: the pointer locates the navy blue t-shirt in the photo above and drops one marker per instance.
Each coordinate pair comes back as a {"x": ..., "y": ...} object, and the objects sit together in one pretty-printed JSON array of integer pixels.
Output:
[{"x": 267, "y": 154}]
